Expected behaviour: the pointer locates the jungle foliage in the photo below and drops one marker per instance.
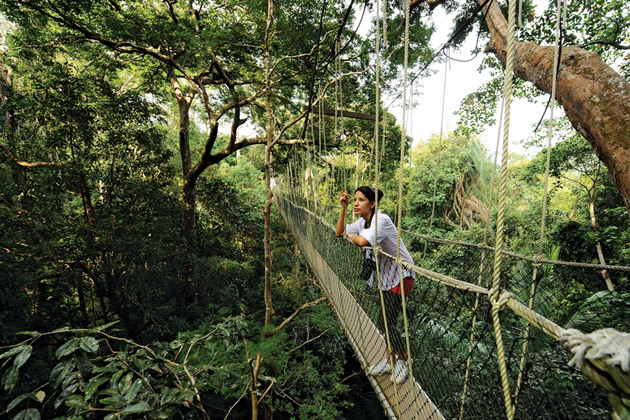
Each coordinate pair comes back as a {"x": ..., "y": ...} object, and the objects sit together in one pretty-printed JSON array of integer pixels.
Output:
[{"x": 131, "y": 251}]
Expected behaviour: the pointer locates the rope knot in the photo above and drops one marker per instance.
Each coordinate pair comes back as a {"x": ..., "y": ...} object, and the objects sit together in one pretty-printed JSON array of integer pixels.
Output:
[
  {"x": 502, "y": 301},
  {"x": 400, "y": 261},
  {"x": 536, "y": 261}
]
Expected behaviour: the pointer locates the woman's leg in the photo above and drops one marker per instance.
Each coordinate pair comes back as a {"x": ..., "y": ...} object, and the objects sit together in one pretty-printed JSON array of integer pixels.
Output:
[{"x": 393, "y": 307}]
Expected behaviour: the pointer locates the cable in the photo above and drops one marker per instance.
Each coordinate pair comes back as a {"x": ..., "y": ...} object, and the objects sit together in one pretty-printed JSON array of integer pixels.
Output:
[
  {"x": 310, "y": 95},
  {"x": 473, "y": 57},
  {"x": 556, "y": 76}
]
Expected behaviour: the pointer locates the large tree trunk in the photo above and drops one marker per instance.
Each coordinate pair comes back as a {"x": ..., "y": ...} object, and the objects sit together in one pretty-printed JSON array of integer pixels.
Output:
[
  {"x": 269, "y": 194},
  {"x": 189, "y": 196},
  {"x": 595, "y": 98},
  {"x": 86, "y": 198},
  {"x": 183, "y": 103},
  {"x": 18, "y": 172}
]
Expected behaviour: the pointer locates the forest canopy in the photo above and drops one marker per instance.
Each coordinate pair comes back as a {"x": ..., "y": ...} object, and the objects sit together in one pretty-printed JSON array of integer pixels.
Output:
[{"x": 139, "y": 144}]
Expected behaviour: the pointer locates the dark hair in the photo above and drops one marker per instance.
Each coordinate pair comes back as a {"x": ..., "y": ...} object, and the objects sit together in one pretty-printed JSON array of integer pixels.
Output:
[{"x": 370, "y": 194}]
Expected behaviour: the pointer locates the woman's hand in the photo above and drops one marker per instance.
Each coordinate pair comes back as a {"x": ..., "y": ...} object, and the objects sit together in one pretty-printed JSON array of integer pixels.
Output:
[
  {"x": 341, "y": 222},
  {"x": 345, "y": 199}
]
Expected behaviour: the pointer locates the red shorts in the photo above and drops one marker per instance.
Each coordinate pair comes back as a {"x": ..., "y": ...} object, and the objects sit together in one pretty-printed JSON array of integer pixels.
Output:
[{"x": 408, "y": 282}]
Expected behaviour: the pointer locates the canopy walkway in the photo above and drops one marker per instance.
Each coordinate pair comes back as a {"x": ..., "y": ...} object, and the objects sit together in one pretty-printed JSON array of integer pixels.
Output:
[{"x": 454, "y": 352}]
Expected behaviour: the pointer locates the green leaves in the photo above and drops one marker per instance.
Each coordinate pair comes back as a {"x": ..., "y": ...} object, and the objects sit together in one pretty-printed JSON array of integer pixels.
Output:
[
  {"x": 169, "y": 396},
  {"x": 28, "y": 414},
  {"x": 140, "y": 407},
  {"x": 76, "y": 401},
  {"x": 59, "y": 372},
  {"x": 13, "y": 351},
  {"x": 11, "y": 375},
  {"x": 22, "y": 357},
  {"x": 10, "y": 378},
  {"x": 68, "y": 348},
  {"x": 133, "y": 389},
  {"x": 93, "y": 385},
  {"x": 89, "y": 344},
  {"x": 38, "y": 396},
  {"x": 17, "y": 400}
]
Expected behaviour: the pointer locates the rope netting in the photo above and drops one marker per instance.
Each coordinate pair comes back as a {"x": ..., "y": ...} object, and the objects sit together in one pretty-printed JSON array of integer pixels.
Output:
[{"x": 450, "y": 325}]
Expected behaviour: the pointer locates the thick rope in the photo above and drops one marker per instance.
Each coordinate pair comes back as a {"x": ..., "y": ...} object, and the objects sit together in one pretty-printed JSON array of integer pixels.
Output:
[
  {"x": 481, "y": 269},
  {"x": 543, "y": 219},
  {"x": 320, "y": 119},
  {"x": 533, "y": 259},
  {"x": 384, "y": 4},
  {"x": 375, "y": 249},
  {"x": 496, "y": 275},
  {"x": 339, "y": 103},
  {"x": 548, "y": 327},
  {"x": 399, "y": 260}
]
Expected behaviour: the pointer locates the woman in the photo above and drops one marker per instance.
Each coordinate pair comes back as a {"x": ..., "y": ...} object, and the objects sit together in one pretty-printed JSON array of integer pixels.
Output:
[{"x": 363, "y": 233}]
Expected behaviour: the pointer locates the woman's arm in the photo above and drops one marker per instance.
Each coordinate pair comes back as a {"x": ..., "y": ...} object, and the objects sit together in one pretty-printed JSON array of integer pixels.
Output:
[
  {"x": 341, "y": 222},
  {"x": 358, "y": 240}
]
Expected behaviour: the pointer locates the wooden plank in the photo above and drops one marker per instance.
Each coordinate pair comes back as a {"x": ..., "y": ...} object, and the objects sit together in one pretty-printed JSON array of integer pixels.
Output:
[{"x": 341, "y": 113}]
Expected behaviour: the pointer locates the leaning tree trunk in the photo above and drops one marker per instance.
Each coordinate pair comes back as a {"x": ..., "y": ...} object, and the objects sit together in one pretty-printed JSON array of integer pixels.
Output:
[
  {"x": 595, "y": 98},
  {"x": 598, "y": 244}
]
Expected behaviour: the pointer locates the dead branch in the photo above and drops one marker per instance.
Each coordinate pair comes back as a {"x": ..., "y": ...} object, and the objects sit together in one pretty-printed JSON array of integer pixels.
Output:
[{"x": 297, "y": 311}]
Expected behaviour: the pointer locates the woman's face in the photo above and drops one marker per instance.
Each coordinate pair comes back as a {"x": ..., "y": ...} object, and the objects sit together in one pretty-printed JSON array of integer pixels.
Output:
[{"x": 362, "y": 206}]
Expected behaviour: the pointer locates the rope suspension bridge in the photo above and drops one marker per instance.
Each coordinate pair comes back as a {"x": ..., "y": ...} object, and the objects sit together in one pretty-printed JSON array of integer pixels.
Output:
[
  {"x": 453, "y": 347},
  {"x": 485, "y": 333}
]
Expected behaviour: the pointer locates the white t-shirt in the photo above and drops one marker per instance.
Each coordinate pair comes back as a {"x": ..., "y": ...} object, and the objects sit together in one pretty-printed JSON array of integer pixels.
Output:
[{"x": 387, "y": 240}]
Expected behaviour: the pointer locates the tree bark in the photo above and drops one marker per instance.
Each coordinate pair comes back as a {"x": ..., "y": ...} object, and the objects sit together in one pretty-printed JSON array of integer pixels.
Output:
[
  {"x": 86, "y": 198},
  {"x": 269, "y": 194},
  {"x": 18, "y": 171},
  {"x": 188, "y": 192},
  {"x": 595, "y": 98},
  {"x": 189, "y": 177},
  {"x": 82, "y": 303}
]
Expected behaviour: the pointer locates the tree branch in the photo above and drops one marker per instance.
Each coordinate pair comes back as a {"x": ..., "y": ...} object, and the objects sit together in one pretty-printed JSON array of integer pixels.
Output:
[
  {"x": 297, "y": 311},
  {"x": 27, "y": 164},
  {"x": 308, "y": 341},
  {"x": 432, "y": 3},
  {"x": 615, "y": 44},
  {"x": 171, "y": 12}
]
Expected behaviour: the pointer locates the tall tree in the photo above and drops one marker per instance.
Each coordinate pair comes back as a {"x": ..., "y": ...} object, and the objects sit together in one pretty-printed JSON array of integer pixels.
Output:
[
  {"x": 207, "y": 53},
  {"x": 595, "y": 97}
]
